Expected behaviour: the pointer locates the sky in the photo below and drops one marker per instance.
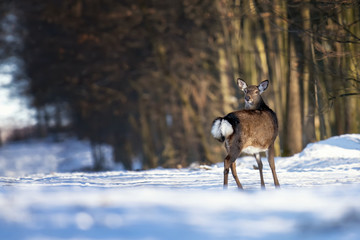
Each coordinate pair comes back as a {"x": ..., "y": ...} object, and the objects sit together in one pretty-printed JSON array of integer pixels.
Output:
[{"x": 14, "y": 111}]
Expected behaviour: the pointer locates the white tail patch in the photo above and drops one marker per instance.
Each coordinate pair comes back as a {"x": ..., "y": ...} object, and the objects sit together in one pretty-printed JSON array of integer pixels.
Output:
[
  {"x": 221, "y": 129},
  {"x": 215, "y": 129},
  {"x": 226, "y": 128}
]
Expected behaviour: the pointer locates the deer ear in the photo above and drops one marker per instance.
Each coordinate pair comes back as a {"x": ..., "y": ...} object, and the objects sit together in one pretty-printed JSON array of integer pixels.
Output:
[
  {"x": 263, "y": 86},
  {"x": 242, "y": 85}
]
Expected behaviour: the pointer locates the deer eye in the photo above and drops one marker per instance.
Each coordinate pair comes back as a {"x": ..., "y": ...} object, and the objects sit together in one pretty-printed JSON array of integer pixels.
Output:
[{"x": 256, "y": 92}]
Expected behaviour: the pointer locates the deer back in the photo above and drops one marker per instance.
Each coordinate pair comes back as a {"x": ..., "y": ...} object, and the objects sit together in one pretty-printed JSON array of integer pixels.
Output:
[{"x": 256, "y": 128}]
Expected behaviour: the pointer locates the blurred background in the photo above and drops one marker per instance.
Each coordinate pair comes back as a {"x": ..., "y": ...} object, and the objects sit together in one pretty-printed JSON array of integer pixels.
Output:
[{"x": 148, "y": 77}]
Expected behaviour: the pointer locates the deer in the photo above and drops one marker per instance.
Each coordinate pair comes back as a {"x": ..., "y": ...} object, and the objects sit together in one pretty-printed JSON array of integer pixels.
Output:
[{"x": 252, "y": 131}]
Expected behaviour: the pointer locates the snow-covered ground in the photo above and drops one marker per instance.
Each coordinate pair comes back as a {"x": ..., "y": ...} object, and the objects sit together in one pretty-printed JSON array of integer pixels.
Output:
[
  {"x": 47, "y": 156},
  {"x": 318, "y": 199}
]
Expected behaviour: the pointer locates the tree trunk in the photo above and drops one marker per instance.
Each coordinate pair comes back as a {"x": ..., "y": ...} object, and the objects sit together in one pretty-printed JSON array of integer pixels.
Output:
[
  {"x": 293, "y": 126},
  {"x": 150, "y": 159},
  {"x": 121, "y": 152},
  {"x": 309, "y": 83}
]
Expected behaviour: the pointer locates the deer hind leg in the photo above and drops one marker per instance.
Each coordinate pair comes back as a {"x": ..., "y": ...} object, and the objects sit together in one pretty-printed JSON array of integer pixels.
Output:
[
  {"x": 271, "y": 161},
  {"x": 229, "y": 162},
  {"x": 260, "y": 167},
  {"x": 233, "y": 171},
  {"x": 226, "y": 170}
]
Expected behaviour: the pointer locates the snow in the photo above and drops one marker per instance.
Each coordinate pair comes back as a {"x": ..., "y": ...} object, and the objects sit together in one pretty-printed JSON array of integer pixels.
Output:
[
  {"x": 35, "y": 156},
  {"x": 41, "y": 199}
]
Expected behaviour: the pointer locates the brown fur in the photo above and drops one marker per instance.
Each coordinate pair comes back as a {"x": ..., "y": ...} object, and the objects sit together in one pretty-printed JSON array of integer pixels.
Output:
[{"x": 259, "y": 128}]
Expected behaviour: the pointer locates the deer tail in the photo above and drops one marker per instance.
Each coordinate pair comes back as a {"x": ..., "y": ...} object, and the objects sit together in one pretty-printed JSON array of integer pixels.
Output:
[{"x": 221, "y": 129}]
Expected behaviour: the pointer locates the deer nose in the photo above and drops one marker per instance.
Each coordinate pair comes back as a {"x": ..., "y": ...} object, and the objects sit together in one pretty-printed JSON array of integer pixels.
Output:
[{"x": 247, "y": 98}]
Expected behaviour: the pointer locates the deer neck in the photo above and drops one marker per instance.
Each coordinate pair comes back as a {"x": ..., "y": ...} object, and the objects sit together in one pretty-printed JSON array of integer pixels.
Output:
[{"x": 260, "y": 105}]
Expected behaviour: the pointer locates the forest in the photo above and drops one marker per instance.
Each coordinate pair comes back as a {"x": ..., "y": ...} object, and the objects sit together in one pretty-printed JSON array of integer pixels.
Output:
[{"x": 149, "y": 77}]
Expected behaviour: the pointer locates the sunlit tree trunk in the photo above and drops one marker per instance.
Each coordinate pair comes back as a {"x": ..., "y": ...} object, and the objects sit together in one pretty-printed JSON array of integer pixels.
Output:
[
  {"x": 293, "y": 120},
  {"x": 293, "y": 126},
  {"x": 309, "y": 91}
]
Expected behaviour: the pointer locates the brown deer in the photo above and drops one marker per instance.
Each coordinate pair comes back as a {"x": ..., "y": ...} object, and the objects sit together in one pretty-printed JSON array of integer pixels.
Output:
[{"x": 251, "y": 131}]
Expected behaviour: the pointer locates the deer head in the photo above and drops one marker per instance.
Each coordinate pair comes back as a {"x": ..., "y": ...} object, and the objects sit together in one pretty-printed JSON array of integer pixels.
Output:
[{"x": 253, "y": 99}]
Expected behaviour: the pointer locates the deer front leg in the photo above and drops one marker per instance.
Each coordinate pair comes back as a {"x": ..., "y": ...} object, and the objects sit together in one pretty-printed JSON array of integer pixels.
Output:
[
  {"x": 271, "y": 161},
  {"x": 260, "y": 167}
]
